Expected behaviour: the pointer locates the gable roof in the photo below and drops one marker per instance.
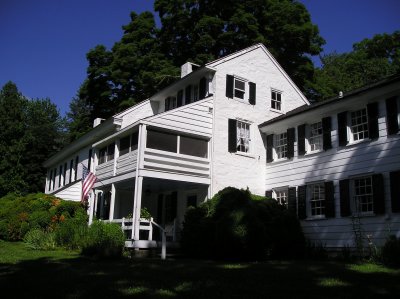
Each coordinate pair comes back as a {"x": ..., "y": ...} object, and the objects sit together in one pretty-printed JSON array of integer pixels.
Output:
[{"x": 334, "y": 100}]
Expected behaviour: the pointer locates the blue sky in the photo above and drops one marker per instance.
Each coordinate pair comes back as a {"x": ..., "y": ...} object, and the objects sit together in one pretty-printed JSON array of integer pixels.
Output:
[{"x": 43, "y": 43}]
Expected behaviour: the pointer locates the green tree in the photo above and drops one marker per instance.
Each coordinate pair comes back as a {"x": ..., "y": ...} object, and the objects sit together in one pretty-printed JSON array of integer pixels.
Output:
[
  {"x": 31, "y": 130},
  {"x": 12, "y": 145},
  {"x": 371, "y": 60},
  {"x": 204, "y": 30}
]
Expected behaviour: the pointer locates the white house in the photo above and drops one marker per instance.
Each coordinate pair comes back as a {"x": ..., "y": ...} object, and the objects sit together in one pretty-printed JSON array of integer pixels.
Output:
[{"x": 238, "y": 121}]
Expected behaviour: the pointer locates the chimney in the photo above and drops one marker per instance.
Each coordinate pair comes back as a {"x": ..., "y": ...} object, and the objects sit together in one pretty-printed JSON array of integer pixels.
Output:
[
  {"x": 187, "y": 68},
  {"x": 97, "y": 121}
]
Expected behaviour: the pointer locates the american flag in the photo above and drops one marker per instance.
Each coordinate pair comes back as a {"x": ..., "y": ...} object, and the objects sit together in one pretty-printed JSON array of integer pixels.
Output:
[{"x": 88, "y": 180}]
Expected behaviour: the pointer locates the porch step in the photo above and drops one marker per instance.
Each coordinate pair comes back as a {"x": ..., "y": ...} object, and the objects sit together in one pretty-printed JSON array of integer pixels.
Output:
[{"x": 141, "y": 244}]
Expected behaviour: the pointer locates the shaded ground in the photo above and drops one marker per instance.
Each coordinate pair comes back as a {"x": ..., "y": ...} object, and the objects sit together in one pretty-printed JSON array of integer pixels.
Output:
[{"x": 62, "y": 274}]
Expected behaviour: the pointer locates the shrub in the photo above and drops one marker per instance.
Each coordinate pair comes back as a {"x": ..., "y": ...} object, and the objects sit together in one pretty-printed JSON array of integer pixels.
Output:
[
  {"x": 390, "y": 252},
  {"x": 104, "y": 240},
  {"x": 38, "y": 239},
  {"x": 235, "y": 224},
  {"x": 71, "y": 232},
  {"x": 19, "y": 214}
]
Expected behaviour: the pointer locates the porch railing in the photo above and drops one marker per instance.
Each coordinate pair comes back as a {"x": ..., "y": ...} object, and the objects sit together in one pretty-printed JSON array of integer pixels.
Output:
[{"x": 147, "y": 225}]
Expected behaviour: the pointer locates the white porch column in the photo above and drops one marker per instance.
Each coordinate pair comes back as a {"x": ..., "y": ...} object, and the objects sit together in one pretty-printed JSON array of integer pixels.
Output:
[
  {"x": 136, "y": 207},
  {"x": 92, "y": 197},
  {"x": 116, "y": 156},
  {"x": 112, "y": 203}
]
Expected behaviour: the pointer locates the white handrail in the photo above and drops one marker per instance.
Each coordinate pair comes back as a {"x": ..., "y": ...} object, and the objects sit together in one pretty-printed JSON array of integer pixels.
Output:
[{"x": 163, "y": 240}]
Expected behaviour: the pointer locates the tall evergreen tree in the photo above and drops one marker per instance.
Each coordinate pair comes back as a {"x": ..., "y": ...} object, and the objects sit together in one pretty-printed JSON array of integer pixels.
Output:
[{"x": 31, "y": 130}]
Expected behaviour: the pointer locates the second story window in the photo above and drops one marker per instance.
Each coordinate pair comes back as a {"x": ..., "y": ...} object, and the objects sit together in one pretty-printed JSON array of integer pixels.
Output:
[
  {"x": 359, "y": 124},
  {"x": 243, "y": 137},
  {"x": 106, "y": 153},
  {"x": 170, "y": 103},
  {"x": 128, "y": 144},
  {"x": 276, "y": 100},
  {"x": 315, "y": 137},
  {"x": 281, "y": 145},
  {"x": 281, "y": 196}
]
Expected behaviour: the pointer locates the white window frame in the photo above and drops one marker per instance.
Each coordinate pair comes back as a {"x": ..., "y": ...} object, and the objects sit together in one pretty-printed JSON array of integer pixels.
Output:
[
  {"x": 351, "y": 127},
  {"x": 320, "y": 210},
  {"x": 310, "y": 137},
  {"x": 246, "y": 137},
  {"x": 278, "y": 102},
  {"x": 244, "y": 90},
  {"x": 281, "y": 193},
  {"x": 278, "y": 145},
  {"x": 355, "y": 206},
  {"x": 107, "y": 156}
]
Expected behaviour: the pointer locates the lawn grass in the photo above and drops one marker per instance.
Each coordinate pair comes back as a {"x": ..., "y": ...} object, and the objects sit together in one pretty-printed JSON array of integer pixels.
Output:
[{"x": 63, "y": 274}]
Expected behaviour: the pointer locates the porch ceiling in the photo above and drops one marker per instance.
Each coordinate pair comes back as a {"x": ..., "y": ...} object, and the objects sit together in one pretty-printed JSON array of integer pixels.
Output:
[{"x": 160, "y": 185}]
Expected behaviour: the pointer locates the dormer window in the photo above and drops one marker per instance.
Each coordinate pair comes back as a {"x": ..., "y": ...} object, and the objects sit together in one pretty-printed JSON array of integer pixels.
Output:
[{"x": 170, "y": 103}]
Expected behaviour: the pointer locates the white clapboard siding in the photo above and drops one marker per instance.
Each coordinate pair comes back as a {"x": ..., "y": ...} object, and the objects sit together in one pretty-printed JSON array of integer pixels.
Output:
[
  {"x": 71, "y": 192},
  {"x": 127, "y": 162},
  {"x": 105, "y": 170},
  {"x": 333, "y": 233},
  {"x": 176, "y": 163},
  {"x": 195, "y": 117}
]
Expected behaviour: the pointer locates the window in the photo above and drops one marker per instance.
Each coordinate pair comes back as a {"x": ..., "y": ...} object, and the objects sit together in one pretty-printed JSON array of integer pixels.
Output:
[
  {"x": 359, "y": 125},
  {"x": 162, "y": 141},
  {"x": 316, "y": 199},
  {"x": 363, "y": 195},
  {"x": 107, "y": 153},
  {"x": 54, "y": 178},
  {"x": 315, "y": 137},
  {"x": 65, "y": 173},
  {"x": 276, "y": 100},
  {"x": 170, "y": 103},
  {"x": 281, "y": 145},
  {"x": 281, "y": 196},
  {"x": 243, "y": 137},
  {"x": 193, "y": 146},
  {"x": 124, "y": 145},
  {"x": 239, "y": 88},
  {"x": 195, "y": 93},
  {"x": 76, "y": 167}
]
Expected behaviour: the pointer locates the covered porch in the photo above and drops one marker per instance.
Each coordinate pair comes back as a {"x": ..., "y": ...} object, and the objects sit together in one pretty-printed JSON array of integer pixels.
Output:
[{"x": 147, "y": 207}]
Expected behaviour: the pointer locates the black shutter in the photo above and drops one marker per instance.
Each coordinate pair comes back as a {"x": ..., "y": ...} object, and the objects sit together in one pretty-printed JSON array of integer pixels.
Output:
[
  {"x": 342, "y": 128},
  {"x": 202, "y": 88},
  {"x": 268, "y": 193},
  {"x": 290, "y": 142},
  {"x": 292, "y": 200},
  {"x": 302, "y": 196},
  {"x": 89, "y": 159},
  {"x": 392, "y": 116},
  {"x": 270, "y": 146},
  {"x": 301, "y": 140},
  {"x": 395, "y": 191},
  {"x": 179, "y": 98},
  {"x": 326, "y": 133},
  {"x": 229, "y": 86},
  {"x": 329, "y": 200},
  {"x": 232, "y": 135},
  {"x": 252, "y": 95},
  {"x": 344, "y": 186},
  {"x": 378, "y": 193},
  {"x": 166, "y": 105},
  {"x": 188, "y": 94},
  {"x": 373, "y": 114}
]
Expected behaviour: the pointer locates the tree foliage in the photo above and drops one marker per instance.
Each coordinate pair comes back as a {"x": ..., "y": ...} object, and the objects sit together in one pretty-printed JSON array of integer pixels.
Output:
[
  {"x": 370, "y": 61},
  {"x": 31, "y": 130},
  {"x": 148, "y": 58}
]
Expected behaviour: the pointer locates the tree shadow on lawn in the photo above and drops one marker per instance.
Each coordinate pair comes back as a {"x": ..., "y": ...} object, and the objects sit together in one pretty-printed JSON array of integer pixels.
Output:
[{"x": 150, "y": 278}]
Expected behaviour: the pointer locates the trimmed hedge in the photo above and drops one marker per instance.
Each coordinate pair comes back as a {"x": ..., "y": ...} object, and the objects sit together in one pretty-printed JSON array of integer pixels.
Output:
[{"x": 235, "y": 224}]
